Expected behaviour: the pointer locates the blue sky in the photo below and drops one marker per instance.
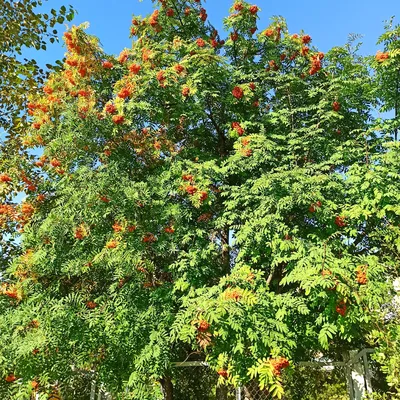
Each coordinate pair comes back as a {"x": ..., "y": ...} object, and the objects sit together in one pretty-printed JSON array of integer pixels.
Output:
[{"x": 327, "y": 21}]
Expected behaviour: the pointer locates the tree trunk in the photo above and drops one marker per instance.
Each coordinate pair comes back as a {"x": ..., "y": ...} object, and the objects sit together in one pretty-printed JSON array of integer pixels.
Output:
[
  {"x": 222, "y": 393},
  {"x": 167, "y": 388}
]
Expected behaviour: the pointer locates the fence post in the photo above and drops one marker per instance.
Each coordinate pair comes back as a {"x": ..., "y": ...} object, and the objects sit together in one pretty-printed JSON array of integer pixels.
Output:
[
  {"x": 357, "y": 375},
  {"x": 350, "y": 385},
  {"x": 93, "y": 391},
  {"x": 367, "y": 373}
]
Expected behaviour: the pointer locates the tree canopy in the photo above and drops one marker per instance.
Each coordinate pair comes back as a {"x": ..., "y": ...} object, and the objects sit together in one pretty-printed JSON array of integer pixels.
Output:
[
  {"x": 22, "y": 27},
  {"x": 230, "y": 199}
]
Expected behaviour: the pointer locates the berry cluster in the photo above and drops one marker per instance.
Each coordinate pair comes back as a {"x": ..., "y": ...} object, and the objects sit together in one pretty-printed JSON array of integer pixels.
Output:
[
  {"x": 278, "y": 364},
  {"x": 361, "y": 272},
  {"x": 341, "y": 308},
  {"x": 203, "y": 326}
]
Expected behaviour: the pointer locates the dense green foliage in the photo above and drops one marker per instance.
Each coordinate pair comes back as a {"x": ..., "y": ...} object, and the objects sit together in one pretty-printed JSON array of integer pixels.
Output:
[{"x": 235, "y": 201}]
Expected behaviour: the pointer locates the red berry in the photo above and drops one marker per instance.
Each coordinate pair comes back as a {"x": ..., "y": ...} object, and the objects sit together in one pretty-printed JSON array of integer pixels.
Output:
[
  {"x": 237, "y": 92},
  {"x": 110, "y": 108},
  {"x": 253, "y": 10},
  {"x": 55, "y": 163},
  {"x": 91, "y": 305},
  {"x": 341, "y": 308},
  {"x": 107, "y": 64},
  {"x": 118, "y": 119},
  {"x": 134, "y": 68},
  {"x": 340, "y": 221},
  {"x": 112, "y": 244},
  {"x": 234, "y": 36},
  {"x": 191, "y": 189},
  {"x": 203, "y": 326},
  {"x": 5, "y": 178},
  {"x": 203, "y": 195},
  {"x": 336, "y": 106},
  {"x": 179, "y": 68},
  {"x": 169, "y": 229},
  {"x": 223, "y": 373},
  {"x": 187, "y": 177},
  {"x": 185, "y": 91},
  {"x": 237, "y": 127},
  {"x": 200, "y": 42},
  {"x": 10, "y": 378}
]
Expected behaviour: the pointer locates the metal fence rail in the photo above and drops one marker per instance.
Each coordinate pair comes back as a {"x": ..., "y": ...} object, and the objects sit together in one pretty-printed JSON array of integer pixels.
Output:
[
  {"x": 358, "y": 376},
  {"x": 195, "y": 381}
]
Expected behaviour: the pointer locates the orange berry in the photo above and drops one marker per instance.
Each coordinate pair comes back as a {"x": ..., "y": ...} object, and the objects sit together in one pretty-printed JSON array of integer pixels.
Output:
[
  {"x": 107, "y": 64},
  {"x": 118, "y": 119},
  {"x": 5, "y": 178},
  {"x": 169, "y": 229},
  {"x": 117, "y": 227},
  {"x": 55, "y": 163},
  {"x": 336, "y": 106},
  {"x": 91, "y": 305},
  {"x": 223, "y": 373},
  {"x": 10, "y": 378},
  {"x": 112, "y": 244}
]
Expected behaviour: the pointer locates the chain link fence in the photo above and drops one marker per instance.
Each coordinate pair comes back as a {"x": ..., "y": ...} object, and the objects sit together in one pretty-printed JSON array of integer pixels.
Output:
[
  {"x": 311, "y": 380},
  {"x": 316, "y": 382},
  {"x": 251, "y": 392},
  {"x": 195, "y": 381}
]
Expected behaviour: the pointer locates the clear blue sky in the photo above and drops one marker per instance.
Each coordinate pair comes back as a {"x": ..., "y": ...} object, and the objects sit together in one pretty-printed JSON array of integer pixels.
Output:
[{"x": 328, "y": 21}]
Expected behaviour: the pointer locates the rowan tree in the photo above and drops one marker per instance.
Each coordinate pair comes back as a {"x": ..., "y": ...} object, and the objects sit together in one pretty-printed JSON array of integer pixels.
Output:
[
  {"x": 23, "y": 27},
  {"x": 234, "y": 199}
]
